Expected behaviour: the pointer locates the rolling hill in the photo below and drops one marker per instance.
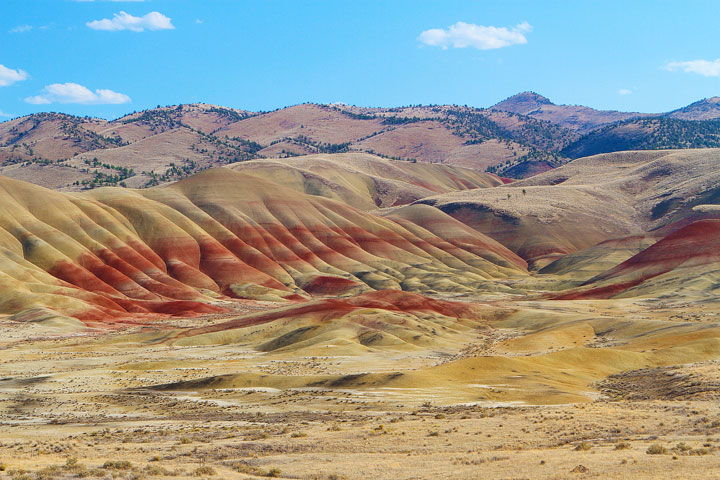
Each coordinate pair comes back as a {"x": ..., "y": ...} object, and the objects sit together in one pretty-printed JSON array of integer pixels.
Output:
[
  {"x": 519, "y": 137},
  {"x": 577, "y": 118},
  {"x": 705, "y": 109},
  {"x": 591, "y": 200},
  {"x": 168, "y": 143},
  {"x": 659, "y": 133},
  {"x": 117, "y": 254}
]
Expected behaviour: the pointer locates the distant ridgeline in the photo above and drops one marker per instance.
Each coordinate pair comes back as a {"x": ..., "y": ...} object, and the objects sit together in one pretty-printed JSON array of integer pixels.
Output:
[{"x": 521, "y": 136}]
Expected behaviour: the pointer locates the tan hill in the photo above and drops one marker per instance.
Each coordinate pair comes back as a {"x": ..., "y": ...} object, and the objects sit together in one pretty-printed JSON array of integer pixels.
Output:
[
  {"x": 591, "y": 200},
  {"x": 365, "y": 181},
  {"x": 168, "y": 143},
  {"x": 685, "y": 260},
  {"x": 298, "y": 316},
  {"x": 519, "y": 137},
  {"x": 574, "y": 117},
  {"x": 52, "y": 136},
  {"x": 112, "y": 253},
  {"x": 142, "y": 149}
]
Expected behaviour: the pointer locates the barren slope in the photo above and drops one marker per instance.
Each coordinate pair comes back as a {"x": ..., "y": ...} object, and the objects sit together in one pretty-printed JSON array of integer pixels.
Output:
[
  {"x": 112, "y": 252},
  {"x": 365, "y": 181},
  {"x": 688, "y": 259},
  {"x": 591, "y": 200}
]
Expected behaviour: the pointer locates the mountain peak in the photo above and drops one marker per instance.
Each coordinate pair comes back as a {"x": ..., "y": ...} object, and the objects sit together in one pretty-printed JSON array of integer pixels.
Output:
[{"x": 522, "y": 102}]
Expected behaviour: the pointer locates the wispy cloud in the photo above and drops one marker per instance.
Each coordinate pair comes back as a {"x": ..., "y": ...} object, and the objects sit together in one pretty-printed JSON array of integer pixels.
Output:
[
  {"x": 8, "y": 76},
  {"x": 706, "y": 68},
  {"x": 21, "y": 29},
  {"x": 463, "y": 35},
  {"x": 125, "y": 21},
  {"x": 624, "y": 91},
  {"x": 75, "y": 93},
  {"x": 3, "y": 114}
]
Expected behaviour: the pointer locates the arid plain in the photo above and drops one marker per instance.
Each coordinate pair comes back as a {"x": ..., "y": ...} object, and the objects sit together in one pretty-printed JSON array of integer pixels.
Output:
[{"x": 350, "y": 316}]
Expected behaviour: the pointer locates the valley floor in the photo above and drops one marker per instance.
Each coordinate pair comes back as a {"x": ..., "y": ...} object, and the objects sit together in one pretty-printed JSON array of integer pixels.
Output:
[{"x": 105, "y": 404}]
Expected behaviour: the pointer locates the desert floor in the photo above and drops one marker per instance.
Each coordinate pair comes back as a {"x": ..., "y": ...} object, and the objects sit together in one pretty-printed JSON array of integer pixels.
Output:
[{"x": 87, "y": 404}]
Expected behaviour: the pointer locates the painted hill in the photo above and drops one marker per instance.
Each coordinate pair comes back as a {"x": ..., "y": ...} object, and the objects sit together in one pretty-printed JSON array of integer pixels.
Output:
[
  {"x": 365, "y": 181},
  {"x": 116, "y": 253},
  {"x": 682, "y": 260},
  {"x": 591, "y": 200},
  {"x": 358, "y": 324}
]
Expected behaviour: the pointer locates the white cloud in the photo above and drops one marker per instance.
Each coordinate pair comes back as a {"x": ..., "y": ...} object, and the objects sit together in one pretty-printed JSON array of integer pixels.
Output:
[
  {"x": 3, "y": 114},
  {"x": 21, "y": 29},
  {"x": 125, "y": 21},
  {"x": 8, "y": 76},
  {"x": 74, "y": 93},
  {"x": 624, "y": 91},
  {"x": 463, "y": 35},
  {"x": 706, "y": 68}
]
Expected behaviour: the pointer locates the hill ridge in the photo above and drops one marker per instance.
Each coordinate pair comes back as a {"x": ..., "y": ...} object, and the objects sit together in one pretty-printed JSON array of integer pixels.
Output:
[{"x": 76, "y": 153}]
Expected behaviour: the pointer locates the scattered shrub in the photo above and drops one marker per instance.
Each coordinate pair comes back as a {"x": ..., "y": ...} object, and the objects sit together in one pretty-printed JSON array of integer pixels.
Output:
[
  {"x": 656, "y": 449},
  {"x": 204, "y": 470}
]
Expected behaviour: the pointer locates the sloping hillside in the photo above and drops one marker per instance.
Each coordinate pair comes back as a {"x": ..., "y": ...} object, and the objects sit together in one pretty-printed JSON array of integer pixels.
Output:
[
  {"x": 577, "y": 118},
  {"x": 517, "y": 138},
  {"x": 115, "y": 253},
  {"x": 365, "y": 181},
  {"x": 591, "y": 200},
  {"x": 165, "y": 144},
  {"x": 647, "y": 134},
  {"x": 688, "y": 259},
  {"x": 705, "y": 109}
]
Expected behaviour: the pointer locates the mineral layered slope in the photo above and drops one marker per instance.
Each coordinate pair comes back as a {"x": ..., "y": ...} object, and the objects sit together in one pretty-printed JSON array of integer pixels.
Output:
[
  {"x": 592, "y": 200},
  {"x": 366, "y": 181},
  {"x": 114, "y": 253},
  {"x": 690, "y": 255}
]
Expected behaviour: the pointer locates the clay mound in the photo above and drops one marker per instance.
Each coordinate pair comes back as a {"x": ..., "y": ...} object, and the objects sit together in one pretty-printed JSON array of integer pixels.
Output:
[
  {"x": 114, "y": 252},
  {"x": 433, "y": 224},
  {"x": 691, "y": 249},
  {"x": 380, "y": 319},
  {"x": 540, "y": 225},
  {"x": 592, "y": 200},
  {"x": 365, "y": 181},
  {"x": 558, "y": 377},
  {"x": 590, "y": 262}
]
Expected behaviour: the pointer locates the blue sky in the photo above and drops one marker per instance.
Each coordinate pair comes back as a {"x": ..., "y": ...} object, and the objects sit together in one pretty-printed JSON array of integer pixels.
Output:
[{"x": 90, "y": 58}]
